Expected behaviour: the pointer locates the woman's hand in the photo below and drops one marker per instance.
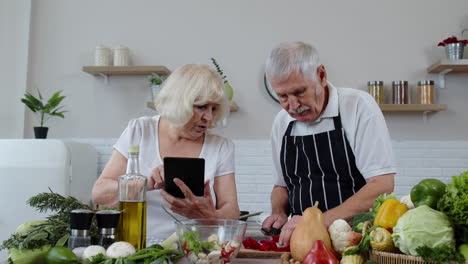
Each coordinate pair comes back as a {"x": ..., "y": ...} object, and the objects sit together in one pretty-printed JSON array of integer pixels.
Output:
[
  {"x": 192, "y": 206},
  {"x": 156, "y": 179}
]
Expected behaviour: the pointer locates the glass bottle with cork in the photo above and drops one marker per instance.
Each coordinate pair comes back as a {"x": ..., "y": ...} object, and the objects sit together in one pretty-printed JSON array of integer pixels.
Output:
[{"x": 132, "y": 202}]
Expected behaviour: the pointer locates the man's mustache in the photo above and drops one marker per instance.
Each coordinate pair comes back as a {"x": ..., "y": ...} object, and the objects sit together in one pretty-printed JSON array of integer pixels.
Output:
[{"x": 299, "y": 110}]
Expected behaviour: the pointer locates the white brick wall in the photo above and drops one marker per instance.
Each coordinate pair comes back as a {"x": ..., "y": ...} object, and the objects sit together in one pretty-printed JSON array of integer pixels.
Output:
[{"x": 415, "y": 159}]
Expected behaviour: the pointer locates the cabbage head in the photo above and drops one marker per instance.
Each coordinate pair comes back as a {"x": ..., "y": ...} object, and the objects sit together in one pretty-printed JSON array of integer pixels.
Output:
[{"x": 422, "y": 226}]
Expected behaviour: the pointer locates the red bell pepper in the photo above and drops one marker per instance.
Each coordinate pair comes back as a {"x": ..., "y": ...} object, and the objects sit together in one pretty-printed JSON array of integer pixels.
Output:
[
  {"x": 251, "y": 243},
  {"x": 265, "y": 245},
  {"x": 185, "y": 248},
  {"x": 319, "y": 254}
]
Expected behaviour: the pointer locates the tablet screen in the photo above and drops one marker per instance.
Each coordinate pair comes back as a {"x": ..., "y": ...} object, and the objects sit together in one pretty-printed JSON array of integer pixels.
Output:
[{"x": 190, "y": 170}]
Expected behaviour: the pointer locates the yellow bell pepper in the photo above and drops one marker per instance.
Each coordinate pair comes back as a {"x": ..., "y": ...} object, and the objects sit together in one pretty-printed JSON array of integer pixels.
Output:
[{"x": 389, "y": 212}]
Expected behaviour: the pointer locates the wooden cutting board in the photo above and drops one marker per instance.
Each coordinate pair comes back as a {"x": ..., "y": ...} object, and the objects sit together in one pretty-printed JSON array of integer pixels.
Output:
[{"x": 251, "y": 253}]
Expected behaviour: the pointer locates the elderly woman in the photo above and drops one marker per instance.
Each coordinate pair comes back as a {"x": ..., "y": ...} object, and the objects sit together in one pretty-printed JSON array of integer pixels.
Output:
[{"x": 191, "y": 101}]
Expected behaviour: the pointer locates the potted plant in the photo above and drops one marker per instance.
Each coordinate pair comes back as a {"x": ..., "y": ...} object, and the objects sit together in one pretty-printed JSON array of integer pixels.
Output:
[
  {"x": 155, "y": 85},
  {"x": 454, "y": 47},
  {"x": 45, "y": 110},
  {"x": 227, "y": 87}
]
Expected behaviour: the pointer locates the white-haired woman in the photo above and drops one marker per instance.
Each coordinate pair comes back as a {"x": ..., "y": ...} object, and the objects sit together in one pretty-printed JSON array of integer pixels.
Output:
[{"x": 191, "y": 101}]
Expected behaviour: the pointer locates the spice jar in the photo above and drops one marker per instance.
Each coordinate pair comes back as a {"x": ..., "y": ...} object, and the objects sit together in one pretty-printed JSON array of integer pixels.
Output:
[
  {"x": 375, "y": 89},
  {"x": 426, "y": 91},
  {"x": 400, "y": 92}
]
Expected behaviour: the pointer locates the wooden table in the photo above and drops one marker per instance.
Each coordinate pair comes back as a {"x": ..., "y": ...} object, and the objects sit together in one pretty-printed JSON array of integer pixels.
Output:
[
  {"x": 255, "y": 261},
  {"x": 239, "y": 261}
]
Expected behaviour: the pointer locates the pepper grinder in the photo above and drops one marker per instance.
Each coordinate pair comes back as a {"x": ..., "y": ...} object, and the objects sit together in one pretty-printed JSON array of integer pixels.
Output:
[
  {"x": 80, "y": 225},
  {"x": 107, "y": 222}
]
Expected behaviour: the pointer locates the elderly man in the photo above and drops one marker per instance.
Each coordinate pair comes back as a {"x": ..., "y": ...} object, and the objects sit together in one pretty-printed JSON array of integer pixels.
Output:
[{"x": 329, "y": 144}]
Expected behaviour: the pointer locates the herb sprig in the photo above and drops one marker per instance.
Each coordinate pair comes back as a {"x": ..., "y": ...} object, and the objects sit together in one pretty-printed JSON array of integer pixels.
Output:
[
  {"x": 54, "y": 231},
  {"x": 219, "y": 70},
  {"x": 52, "y": 201}
]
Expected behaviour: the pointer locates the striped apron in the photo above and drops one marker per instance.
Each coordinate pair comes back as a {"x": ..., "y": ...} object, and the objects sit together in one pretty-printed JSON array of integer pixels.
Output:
[{"x": 319, "y": 167}]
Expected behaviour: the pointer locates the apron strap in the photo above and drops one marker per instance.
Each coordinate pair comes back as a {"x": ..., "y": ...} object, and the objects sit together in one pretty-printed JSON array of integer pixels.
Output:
[
  {"x": 337, "y": 122},
  {"x": 289, "y": 129}
]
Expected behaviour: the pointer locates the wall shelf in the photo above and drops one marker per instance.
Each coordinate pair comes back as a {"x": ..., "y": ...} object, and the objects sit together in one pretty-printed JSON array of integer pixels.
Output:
[
  {"x": 445, "y": 66},
  {"x": 233, "y": 107},
  {"x": 422, "y": 108},
  {"x": 106, "y": 71},
  {"x": 412, "y": 107}
]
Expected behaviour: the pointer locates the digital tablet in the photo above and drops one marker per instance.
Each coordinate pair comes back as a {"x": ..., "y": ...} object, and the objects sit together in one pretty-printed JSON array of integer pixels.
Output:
[{"x": 190, "y": 170}]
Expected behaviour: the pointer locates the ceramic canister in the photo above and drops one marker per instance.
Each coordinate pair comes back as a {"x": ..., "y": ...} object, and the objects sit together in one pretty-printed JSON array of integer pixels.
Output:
[
  {"x": 102, "y": 56},
  {"x": 121, "y": 56}
]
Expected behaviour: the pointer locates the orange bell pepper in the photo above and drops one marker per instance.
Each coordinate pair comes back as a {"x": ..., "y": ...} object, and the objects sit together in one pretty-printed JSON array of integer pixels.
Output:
[{"x": 389, "y": 212}]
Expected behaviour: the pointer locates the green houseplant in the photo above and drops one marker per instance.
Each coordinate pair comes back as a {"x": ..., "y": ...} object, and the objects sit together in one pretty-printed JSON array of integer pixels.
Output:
[
  {"x": 155, "y": 85},
  {"x": 227, "y": 87},
  {"x": 45, "y": 110}
]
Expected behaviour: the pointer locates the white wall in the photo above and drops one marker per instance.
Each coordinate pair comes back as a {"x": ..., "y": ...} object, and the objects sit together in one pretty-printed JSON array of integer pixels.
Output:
[
  {"x": 358, "y": 40},
  {"x": 14, "y": 38}
]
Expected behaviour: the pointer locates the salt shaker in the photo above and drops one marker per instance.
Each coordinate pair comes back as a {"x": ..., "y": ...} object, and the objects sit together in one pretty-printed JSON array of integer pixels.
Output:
[
  {"x": 102, "y": 56},
  {"x": 107, "y": 222},
  {"x": 80, "y": 225},
  {"x": 121, "y": 56}
]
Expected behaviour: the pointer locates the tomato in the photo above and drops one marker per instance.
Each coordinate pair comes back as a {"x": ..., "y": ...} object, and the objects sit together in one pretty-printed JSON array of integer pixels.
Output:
[{"x": 61, "y": 255}]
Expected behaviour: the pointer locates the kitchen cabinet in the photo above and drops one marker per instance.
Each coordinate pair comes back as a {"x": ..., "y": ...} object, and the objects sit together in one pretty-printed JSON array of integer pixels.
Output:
[{"x": 445, "y": 66}]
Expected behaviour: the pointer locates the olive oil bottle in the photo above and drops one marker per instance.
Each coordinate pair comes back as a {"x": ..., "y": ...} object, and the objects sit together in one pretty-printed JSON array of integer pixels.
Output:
[{"x": 132, "y": 202}]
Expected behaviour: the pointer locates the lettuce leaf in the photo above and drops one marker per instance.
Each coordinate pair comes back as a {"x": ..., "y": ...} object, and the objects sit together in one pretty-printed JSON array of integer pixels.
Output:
[
  {"x": 423, "y": 226},
  {"x": 454, "y": 203},
  {"x": 195, "y": 245}
]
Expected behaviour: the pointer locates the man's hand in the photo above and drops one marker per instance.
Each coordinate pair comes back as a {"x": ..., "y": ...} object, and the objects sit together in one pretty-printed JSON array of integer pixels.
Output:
[
  {"x": 274, "y": 221},
  {"x": 288, "y": 229}
]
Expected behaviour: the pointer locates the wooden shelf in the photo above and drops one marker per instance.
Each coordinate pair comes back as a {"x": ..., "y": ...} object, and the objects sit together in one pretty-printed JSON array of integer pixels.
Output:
[
  {"x": 445, "y": 66},
  {"x": 452, "y": 65},
  {"x": 412, "y": 107},
  {"x": 233, "y": 106},
  {"x": 126, "y": 70}
]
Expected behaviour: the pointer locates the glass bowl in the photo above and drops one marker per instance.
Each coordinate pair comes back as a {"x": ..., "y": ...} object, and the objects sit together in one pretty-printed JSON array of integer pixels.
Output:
[{"x": 212, "y": 241}]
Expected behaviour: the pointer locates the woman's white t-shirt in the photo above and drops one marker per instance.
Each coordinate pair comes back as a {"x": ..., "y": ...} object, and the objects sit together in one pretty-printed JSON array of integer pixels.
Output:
[{"x": 217, "y": 151}]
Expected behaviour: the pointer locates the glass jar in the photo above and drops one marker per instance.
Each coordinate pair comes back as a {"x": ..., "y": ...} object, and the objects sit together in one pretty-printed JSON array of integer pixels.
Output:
[
  {"x": 376, "y": 89},
  {"x": 400, "y": 92},
  {"x": 426, "y": 91}
]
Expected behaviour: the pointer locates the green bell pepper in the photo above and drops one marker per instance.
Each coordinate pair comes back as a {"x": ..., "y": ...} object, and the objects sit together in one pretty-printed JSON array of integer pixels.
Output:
[{"x": 427, "y": 192}]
